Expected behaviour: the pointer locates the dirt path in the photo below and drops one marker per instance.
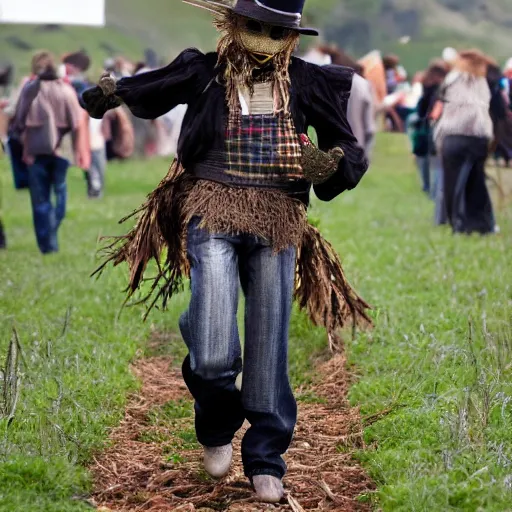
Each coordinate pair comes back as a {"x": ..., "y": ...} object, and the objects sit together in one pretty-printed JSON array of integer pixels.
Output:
[{"x": 154, "y": 463}]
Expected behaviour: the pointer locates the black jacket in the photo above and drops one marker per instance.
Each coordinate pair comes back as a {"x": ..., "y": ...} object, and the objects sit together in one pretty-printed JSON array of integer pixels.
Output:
[{"x": 318, "y": 98}]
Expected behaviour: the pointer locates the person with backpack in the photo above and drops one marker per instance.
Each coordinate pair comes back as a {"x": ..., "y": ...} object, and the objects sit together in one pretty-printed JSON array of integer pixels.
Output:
[{"x": 47, "y": 110}]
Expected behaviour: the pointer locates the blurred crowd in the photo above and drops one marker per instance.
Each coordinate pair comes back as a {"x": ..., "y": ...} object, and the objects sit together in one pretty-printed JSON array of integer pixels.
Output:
[
  {"x": 457, "y": 113},
  {"x": 44, "y": 129}
]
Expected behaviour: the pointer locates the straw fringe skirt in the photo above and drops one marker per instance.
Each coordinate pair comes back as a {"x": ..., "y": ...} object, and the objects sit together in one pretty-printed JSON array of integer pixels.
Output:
[{"x": 160, "y": 235}]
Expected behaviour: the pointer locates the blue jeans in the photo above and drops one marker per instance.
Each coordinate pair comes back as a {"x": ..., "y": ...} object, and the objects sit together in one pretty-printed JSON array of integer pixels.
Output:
[
  {"x": 423, "y": 163},
  {"x": 219, "y": 264},
  {"x": 95, "y": 175},
  {"x": 440, "y": 216},
  {"x": 47, "y": 174}
]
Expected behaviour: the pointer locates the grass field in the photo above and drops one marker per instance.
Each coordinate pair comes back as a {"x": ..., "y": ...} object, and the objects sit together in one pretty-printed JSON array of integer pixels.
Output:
[{"x": 433, "y": 378}]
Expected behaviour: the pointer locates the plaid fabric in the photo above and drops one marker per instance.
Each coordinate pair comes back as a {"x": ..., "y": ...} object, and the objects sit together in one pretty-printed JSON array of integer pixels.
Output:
[{"x": 263, "y": 148}]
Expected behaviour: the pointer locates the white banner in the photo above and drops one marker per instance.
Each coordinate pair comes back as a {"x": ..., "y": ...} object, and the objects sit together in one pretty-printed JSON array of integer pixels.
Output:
[{"x": 65, "y": 12}]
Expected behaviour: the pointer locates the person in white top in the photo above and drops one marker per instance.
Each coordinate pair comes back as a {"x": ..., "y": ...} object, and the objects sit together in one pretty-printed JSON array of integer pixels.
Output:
[
  {"x": 361, "y": 112},
  {"x": 463, "y": 134}
]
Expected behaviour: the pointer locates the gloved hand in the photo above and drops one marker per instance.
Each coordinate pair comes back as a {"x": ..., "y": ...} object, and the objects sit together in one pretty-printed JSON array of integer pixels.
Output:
[
  {"x": 317, "y": 165},
  {"x": 107, "y": 84},
  {"x": 101, "y": 98}
]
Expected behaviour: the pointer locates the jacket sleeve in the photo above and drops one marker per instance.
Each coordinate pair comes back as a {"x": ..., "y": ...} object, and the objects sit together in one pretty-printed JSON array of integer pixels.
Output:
[
  {"x": 325, "y": 98},
  {"x": 153, "y": 94}
]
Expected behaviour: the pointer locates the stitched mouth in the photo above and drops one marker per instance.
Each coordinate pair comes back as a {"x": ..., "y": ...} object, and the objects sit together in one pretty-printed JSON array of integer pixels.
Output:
[{"x": 261, "y": 58}]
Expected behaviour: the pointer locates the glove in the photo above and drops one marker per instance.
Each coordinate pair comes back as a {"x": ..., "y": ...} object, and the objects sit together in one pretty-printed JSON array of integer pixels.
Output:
[
  {"x": 98, "y": 100},
  {"x": 317, "y": 165},
  {"x": 107, "y": 84}
]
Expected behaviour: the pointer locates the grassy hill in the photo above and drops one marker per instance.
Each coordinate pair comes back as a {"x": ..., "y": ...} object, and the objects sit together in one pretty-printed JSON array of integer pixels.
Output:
[
  {"x": 361, "y": 25},
  {"x": 358, "y": 25}
]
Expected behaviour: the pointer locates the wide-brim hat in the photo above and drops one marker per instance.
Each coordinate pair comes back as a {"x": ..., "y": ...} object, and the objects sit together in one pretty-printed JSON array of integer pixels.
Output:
[{"x": 281, "y": 13}]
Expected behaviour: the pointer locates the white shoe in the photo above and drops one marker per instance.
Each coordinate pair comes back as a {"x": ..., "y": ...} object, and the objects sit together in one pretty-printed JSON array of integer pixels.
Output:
[
  {"x": 217, "y": 460},
  {"x": 269, "y": 489}
]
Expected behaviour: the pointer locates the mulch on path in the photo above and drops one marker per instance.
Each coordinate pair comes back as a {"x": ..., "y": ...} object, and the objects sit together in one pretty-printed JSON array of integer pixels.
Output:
[{"x": 137, "y": 473}]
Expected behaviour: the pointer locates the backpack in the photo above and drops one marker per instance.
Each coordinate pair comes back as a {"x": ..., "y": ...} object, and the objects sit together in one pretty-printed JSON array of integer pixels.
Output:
[
  {"x": 423, "y": 134},
  {"x": 41, "y": 138}
]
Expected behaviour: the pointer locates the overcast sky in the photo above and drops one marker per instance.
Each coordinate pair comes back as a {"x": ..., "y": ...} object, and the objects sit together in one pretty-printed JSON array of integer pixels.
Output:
[{"x": 74, "y": 12}]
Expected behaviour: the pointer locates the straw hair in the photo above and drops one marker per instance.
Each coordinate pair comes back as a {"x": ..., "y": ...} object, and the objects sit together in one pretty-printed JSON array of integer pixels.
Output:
[{"x": 239, "y": 67}]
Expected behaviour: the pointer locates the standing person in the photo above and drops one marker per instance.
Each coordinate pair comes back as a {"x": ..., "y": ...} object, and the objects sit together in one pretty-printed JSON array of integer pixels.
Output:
[
  {"x": 145, "y": 130},
  {"x": 47, "y": 110},
  {"x": 360, "y": 108},
  {"x": 499, "y": 110},
  {"x": 391, "y": 63},
  {"x": 361, "y": 111},
  {"x": 463, "y": 135},
  {"x": 92, "y": 140},
  {"x": 119, "y": 134},
  {"x": 396, "y": 116},
  {"x": 429, "y": 162},
  {"x": 235, "y": 202},
  {"x": 76, "y": 65},
  {"x": 96, "y": 173}
]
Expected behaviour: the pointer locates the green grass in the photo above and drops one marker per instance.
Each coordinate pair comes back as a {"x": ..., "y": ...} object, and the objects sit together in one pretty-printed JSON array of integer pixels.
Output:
[
  {"x": 75, "y": 379},
  {"x": 171, "y": 411},
  {"x": 438, "y": 362},
  {"x": 440, "y": 358}
]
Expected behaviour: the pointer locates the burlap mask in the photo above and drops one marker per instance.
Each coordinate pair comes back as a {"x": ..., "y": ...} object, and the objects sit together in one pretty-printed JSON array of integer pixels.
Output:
[
  {"x": 243, "y": 47},
  {"x": 261, "y": 40}
]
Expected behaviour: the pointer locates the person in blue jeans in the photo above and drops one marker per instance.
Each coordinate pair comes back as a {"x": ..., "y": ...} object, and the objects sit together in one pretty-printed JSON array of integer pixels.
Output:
[
  {"x": 47, "y": 110},
  {"x": 47, "y": 178}
]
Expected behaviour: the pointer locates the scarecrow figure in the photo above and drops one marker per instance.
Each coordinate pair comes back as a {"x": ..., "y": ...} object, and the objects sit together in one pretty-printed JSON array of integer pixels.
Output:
[{"x": 233, "y": 211}]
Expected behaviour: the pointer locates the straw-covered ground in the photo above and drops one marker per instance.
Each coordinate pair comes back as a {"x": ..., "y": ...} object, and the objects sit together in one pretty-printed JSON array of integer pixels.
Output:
[{"x": 154, "y": 462}]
